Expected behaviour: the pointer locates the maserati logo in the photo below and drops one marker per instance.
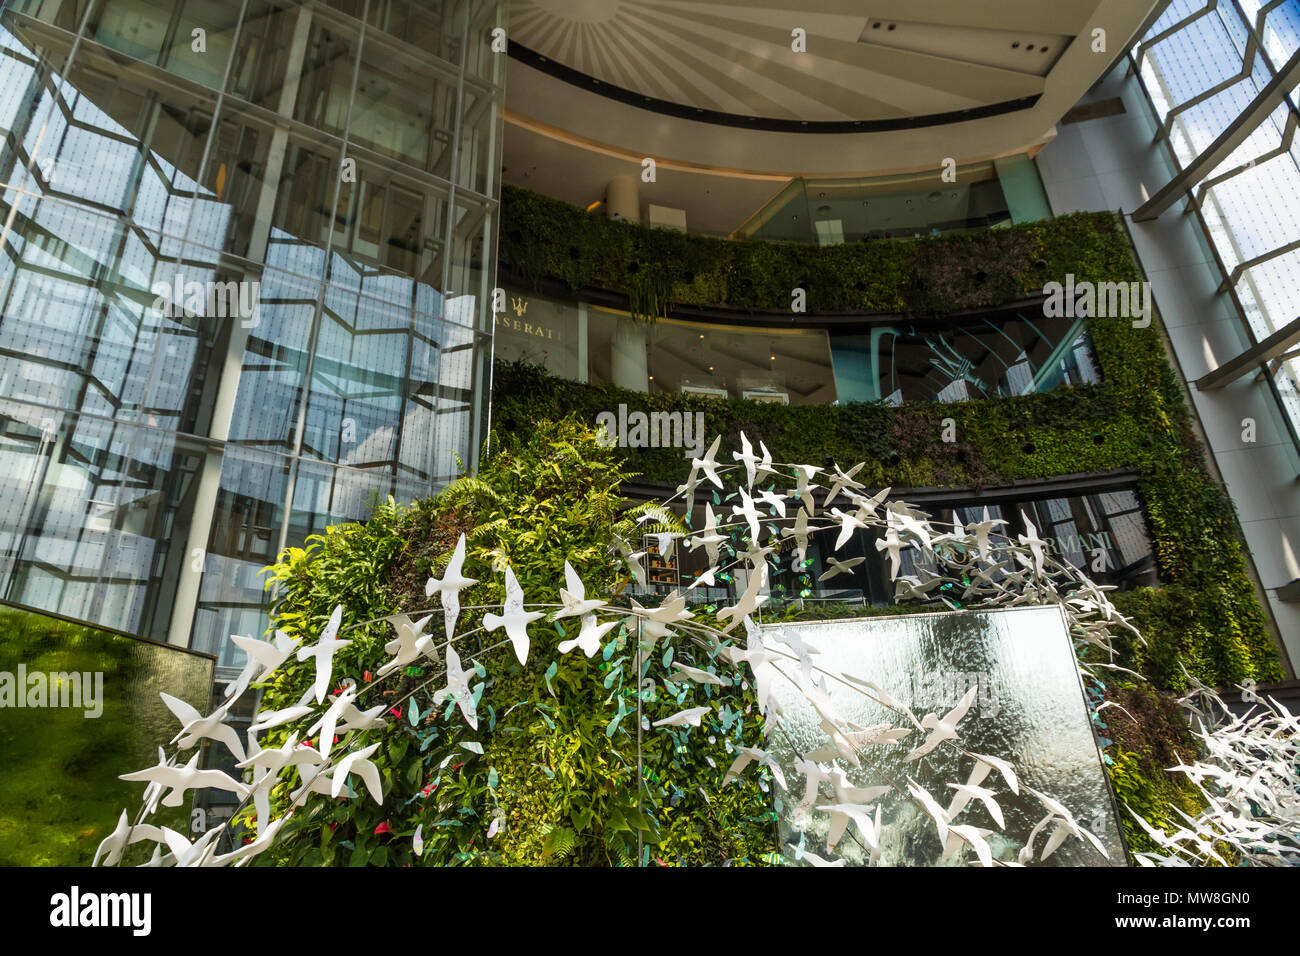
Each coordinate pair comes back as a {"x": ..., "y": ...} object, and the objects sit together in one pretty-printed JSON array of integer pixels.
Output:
[{"x": 520, "y": 305}]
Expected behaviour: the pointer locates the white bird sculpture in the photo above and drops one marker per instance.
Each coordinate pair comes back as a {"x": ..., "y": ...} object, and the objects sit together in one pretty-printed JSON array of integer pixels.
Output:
[
  {"x": 194, "y": 726},
  {"x": 410, "y": 644},
  {"x": 358, "y": 762},
  {"x": 839, "y": 567},
  {"x": 589, "y": 636},
  {"x": 574, "y": 596},
  {"x": 457, "y": 688},
  {"x": 690, "y": 716},
  {"x": 188, "y": 777},
  {"x": 515, "y": 620},
  {"x": 449, "y": 588},
  {"x": 709, "y": 464},
  {"x": 323, "y": 652},
  {"x": 945, "y": 728}
]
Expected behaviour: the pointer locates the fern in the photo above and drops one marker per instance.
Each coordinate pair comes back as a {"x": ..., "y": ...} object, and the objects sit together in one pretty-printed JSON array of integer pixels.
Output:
[{"x": 559, "y": 842}]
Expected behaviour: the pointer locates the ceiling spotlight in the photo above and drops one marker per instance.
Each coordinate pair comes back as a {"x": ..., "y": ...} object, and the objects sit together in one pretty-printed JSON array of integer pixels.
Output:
[{"x": 772, "y": 358}]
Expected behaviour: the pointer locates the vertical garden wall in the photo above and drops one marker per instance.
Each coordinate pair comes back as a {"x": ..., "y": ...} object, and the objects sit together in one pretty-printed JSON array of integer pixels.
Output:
[{"x": 1204, "y": 615}]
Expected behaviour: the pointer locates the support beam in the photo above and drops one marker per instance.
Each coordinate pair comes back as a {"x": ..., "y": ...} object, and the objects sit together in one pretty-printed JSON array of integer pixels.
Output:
[
  {"x": 1248, "y": 361},
  {"x": 1267, "y": 100}
]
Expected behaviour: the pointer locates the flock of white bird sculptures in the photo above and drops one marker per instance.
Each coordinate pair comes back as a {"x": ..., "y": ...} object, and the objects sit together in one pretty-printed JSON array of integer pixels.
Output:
[{"x": 979, "y": 567}]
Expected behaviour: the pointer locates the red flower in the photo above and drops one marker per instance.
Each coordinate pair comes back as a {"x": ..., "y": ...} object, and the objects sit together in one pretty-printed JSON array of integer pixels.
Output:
[
  {"x": 383, "y": 828},
  {"x": 395, "y": 712},
  {"x": 365, "y": 675}
]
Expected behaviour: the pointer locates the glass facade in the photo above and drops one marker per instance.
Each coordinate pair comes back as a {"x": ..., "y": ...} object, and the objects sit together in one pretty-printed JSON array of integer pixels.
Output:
[
  {"x": 832, "y": 211},
  {"x": 245, "y": 288},
  {"x": 1103, "y": 534},
  {"x": 1201, "y": 64},
  {"x": 1008, "y": 352}
]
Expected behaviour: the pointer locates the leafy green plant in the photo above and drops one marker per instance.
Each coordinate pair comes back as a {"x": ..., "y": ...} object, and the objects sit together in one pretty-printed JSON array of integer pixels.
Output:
[
  {"x": 550, "y": 774},
  {"x": 1205, "y": 612}
]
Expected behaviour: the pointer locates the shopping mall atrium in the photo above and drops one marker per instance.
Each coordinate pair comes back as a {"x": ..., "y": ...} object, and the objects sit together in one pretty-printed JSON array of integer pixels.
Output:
[{"x": 304, "y": 302}]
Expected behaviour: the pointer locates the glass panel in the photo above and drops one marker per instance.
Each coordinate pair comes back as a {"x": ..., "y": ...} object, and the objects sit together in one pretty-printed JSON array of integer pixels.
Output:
[
  {"x": 65, "y": 14},
  {"x": 263, "y": 60},
  {"x": 138, "y": 28},
  {"x": 244, "y": 539},
  {"x": 1029, "y": 710},
  {"x": 404, "y": 109},
  {"x": 541, "y": 332},
  {"x": 92, "y": 515},
  {"x": 29, "y": 96},
  {"x": 392, "y": 222},
  {"x": 480, "y": 131},
  {"x": 325, "y": 84},
  {"x": 275, "y": 363},
  {"x": 134, "y": 144},
  {"x": 829, "y": 212},
  {"x": 113, "y": 680},
  {"x": 358, "y": 380}
]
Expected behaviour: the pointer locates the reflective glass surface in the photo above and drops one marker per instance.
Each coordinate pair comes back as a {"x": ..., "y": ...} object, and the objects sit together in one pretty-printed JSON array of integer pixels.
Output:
[
  {"x": 237, "y": 301},
  {"x": 1029, "y": 710}
]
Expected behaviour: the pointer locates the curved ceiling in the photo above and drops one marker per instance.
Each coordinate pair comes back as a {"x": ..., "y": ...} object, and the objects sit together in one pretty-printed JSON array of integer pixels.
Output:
[
  {"x": 871, "y": 61},
  {"x": 954, "y": 79}
]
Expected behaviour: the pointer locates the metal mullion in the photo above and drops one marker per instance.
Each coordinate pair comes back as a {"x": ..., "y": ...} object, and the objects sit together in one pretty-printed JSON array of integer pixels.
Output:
[
  {"x": 180, "y": 256},
  {"x": 313, "y": 336},
  {"x": 1171, "y": 30},
  {"x": 1288, "y": 136},
  {"x": 1247, "y": 70}
]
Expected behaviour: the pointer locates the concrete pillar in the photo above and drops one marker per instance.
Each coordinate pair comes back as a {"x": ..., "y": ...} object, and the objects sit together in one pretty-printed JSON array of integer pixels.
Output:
[{"x": 623, "y": 199}]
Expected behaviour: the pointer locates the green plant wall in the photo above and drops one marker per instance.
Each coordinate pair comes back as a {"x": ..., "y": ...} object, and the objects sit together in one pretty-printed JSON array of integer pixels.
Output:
[
  {"x": 59, "y": 792},
  {"x": 1205, "y": 614}
]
